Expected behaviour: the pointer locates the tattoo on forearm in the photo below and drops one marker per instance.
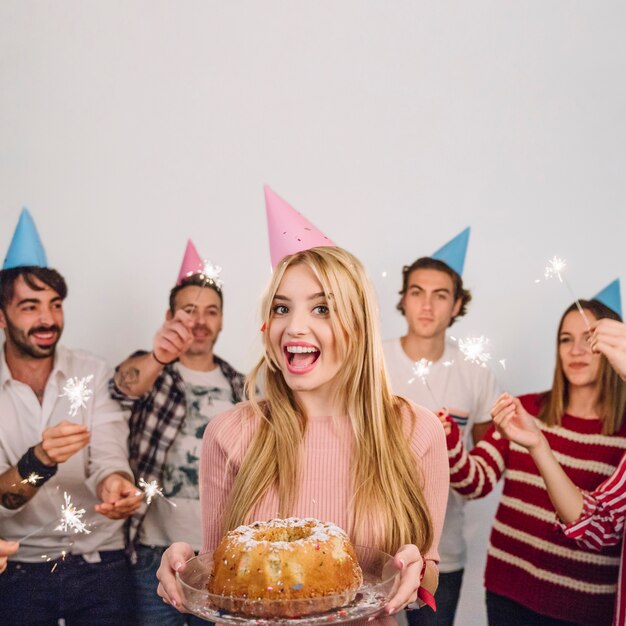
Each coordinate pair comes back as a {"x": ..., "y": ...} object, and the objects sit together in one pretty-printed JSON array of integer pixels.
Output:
[
  {"x": 127, "y": 377},
  {"x": 13, "y": 501}
]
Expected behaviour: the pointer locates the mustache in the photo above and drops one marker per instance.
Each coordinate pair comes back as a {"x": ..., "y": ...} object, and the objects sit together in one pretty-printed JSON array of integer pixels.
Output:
[
  {"x": 44, "y": 329},
  {"x": 201, "y": 327}
]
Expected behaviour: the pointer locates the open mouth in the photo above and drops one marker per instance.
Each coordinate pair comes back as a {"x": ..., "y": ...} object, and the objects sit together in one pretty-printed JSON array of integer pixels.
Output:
[
  {"x": 301, "y": 358},
  {"x": 44, "y": 338}
]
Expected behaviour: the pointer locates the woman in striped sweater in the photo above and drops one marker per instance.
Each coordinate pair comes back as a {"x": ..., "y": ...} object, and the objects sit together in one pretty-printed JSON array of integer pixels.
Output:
[
  {"x": 595, "y": 519},
  {"x": 534, "y": 573},
  {"x": 329, "y": 440}
]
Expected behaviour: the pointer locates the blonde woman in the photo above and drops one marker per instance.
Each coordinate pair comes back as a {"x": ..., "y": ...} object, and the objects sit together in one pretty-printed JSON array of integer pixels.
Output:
[{"x": 329, "y": 440}]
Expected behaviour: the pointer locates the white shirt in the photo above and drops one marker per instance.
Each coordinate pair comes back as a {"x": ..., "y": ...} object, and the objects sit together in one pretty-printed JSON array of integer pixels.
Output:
[
  {"x": 22, "y": 422},
  {"x": 468, "y": 391}
]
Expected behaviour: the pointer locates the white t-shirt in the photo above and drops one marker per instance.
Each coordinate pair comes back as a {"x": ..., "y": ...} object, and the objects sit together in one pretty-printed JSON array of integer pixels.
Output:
[
  {"x": 468, "y": 391},
  {"x": 207, "y": 394}
]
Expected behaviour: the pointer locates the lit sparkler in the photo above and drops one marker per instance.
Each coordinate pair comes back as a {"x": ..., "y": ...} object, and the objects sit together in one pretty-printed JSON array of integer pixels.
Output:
[
  {"x": 209, "y": 272},
  {"x": 78, "y": 393},
  {"x": 56, "y": 561},
  {"x": 32, "y": 479},
  {"x": 475, "y": 349},
  {"x": 71, "y": 517},
  {"x": 421, "y": 370},
  {"x": 212, "y": 273},
  {"x": 152, "y": 490},
  {"x": 555, "y": 267}
]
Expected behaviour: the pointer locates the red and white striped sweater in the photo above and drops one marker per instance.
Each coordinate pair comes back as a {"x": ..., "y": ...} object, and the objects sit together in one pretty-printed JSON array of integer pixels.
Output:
[
  {"x": 601, "y": 524},
  {"x": 530, "y": 560}
]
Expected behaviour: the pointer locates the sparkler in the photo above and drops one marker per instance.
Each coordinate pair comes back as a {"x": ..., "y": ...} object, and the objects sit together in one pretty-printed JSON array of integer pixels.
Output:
[
  {"x": 57, "y": 560},
  {"x": 555, "y": 267},
  {"x": 210, "y": 274},
  {"x": 475, "y": 349},
  {"x": 78, "y": 393},
  {"x": 32, "y": 479},
  {"x": 421, "y": 370},
  {"x": 152, "y": 490},
  {"x": 71, "y": 519}
]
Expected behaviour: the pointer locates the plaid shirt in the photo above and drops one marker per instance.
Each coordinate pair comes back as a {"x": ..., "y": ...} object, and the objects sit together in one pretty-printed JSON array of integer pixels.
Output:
[{"x": 155, "y": 421}]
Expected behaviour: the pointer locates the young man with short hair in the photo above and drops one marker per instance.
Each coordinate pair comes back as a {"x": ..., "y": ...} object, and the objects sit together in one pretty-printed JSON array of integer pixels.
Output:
[{"x": 432, "y": 298}]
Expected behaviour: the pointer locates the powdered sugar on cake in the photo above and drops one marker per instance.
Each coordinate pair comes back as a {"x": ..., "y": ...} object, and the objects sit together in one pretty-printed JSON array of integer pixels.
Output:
[{"x": 247, "y": 535}]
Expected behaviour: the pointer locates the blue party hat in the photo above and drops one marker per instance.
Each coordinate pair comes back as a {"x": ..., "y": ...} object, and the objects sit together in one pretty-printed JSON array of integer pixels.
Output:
[
  {"x": 25, "y": 248},
  {"x": 453, "y": 253},
  {"x": 610, "y": 296}
]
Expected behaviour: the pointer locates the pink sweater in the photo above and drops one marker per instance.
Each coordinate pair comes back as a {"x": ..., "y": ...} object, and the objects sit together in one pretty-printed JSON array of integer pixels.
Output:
[{"x": 325, "y": 490}]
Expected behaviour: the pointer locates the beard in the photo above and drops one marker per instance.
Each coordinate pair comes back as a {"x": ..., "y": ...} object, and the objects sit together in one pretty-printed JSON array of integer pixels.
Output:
[{"x": 24, "y": 347}]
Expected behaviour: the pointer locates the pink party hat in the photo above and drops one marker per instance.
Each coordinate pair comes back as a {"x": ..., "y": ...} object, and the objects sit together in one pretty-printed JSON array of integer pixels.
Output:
[
  {"x": 192, "y": 263},
  {"x": 289, "y": 231}
]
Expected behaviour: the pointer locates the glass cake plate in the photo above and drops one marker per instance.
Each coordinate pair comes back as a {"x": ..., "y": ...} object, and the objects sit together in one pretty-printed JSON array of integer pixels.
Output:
[{"x": 378, "y": 578}]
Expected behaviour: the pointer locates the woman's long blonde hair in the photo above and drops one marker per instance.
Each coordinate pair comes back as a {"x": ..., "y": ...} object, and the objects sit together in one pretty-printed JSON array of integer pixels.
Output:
[
  {"x": 388, "y": 496},
  {"x": 611, "y": 401}
]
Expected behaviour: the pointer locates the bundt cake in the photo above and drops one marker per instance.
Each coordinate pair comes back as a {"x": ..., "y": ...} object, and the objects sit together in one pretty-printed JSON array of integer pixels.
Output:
[{"x": 284, "y": 568}]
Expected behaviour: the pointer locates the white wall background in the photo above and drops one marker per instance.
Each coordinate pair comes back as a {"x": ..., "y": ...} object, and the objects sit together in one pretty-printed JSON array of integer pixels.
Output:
[{"x": 128, "y": 126}]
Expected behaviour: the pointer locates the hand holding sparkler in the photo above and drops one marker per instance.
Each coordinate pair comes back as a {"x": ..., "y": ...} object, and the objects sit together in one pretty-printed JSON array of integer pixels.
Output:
[
  {"x": 173, "y": 338},
  {"x": 609, "y": 338},
  {"x": 62, "y": 441},
  {"x": 119, "y": 497},
  {"x": 515, "y": 423}
]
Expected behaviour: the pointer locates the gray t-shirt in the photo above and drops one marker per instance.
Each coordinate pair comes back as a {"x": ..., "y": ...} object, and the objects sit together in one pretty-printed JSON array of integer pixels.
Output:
[{"x": 207, "y": 394}]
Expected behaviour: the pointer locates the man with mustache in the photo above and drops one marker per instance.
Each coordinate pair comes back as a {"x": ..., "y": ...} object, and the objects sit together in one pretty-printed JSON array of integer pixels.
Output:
[
  {"x": 47, "y": 448},
  {"x": 173, "y": 392}
]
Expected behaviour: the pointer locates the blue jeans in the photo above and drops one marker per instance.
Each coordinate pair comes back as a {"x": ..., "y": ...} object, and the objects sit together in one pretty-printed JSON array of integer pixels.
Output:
[
  {"x": 84, "y": 594},
  {"x": 504, "y": 612},
  {"x": 447, "y": 599},
  {"x": 151, "y": 609}
]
